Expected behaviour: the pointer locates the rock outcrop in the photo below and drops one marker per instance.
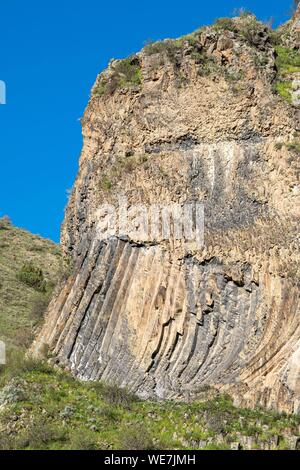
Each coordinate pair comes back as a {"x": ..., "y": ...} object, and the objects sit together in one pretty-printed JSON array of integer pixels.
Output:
[{"x": 193, "y": 121}]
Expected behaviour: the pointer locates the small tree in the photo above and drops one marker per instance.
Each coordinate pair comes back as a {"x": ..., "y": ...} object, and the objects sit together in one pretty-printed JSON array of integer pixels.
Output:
[{"x": 32, "y": 276}]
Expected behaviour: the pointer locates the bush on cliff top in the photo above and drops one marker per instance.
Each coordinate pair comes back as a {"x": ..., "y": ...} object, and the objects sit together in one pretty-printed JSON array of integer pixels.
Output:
[{"x": 126, "y": 73}]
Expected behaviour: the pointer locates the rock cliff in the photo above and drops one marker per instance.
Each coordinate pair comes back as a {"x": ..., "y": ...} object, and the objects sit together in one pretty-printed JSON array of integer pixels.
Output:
[{"x": 210, "y": 118}]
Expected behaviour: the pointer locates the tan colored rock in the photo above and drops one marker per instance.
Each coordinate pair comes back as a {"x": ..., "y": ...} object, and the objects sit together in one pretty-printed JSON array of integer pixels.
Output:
[{"x": 166, "y": 317}]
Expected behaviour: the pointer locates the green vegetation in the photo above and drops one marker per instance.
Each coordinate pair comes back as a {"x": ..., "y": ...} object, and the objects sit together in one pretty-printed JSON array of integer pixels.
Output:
[
  {"x": 249, "y": 28},
  {"x": 172, "y": 48},
  {"x": 294, "y": 147},
  {"x": 126, "y": 73},
  {"x": 44, "y": 408},
  {"x": 284, "y": 90},
  {"x": 291, "y": 146},
  {"x": 106, "y": 184},
  {"x": 287, "y": 63},
  {"x": 48, "y": 409},
  {"x": 29, "y": 268},
  {"x": 160, "y": 47},
  {"x": 287, "y": 60},
  {"x": 32, "y": 276},
  {"x": 226, "y": 24}
]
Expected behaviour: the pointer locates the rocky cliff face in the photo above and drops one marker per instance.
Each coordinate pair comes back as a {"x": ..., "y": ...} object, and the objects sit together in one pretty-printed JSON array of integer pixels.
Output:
[{"x": 209, "y": 118}]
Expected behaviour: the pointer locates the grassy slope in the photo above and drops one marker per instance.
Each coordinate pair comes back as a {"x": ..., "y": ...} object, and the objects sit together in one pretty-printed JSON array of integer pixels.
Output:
[
  {"x": 41, "y": 407},
  {"x": 50, "y": 410},
  {"x": 16, "y": 299}
]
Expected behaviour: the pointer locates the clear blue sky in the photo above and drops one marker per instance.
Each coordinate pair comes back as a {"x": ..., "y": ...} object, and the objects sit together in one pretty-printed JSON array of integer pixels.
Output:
[{"x": 51, "y": 52}]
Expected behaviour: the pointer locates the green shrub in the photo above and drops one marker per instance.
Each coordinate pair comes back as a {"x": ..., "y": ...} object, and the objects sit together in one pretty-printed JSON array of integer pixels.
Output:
[
  {"x": 32, "y": 276},
  {"x": 284, "y": 90},
  {"x": 275, "y": 37},
  {"x": 101, "y": 87},
  {"x": 114, "y": 395},
  {"x": 40, "y": 434},
  {"x": 126, "y": 73},
  {"x": 120, "y": 166},
  {"x": 106, "y": 183},
  {"x": 225, "y": 24},
  {"x": 294, "y": 147},
  {"x": 82, "y": 440},
  {"x": 208, "y": 67},
  {"x": 171, "y": 48},
  {"x": 160, "y": 47},
  {"x": 287, "y": 60},
  {"x": 249, "y": 28},
  {"x": 137, "y": 438},
  {"x": 278, "y": 145}
]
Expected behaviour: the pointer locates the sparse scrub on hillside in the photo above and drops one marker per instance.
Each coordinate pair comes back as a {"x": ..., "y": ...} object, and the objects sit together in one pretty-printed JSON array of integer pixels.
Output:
[
  {"x": 77, "y": 415},
  {"x": 41, "y": 434},
  {"x": 137, "y": 438},
  {"x": 18, "y": 363},
  {"x": 32, "y": 276},
  {"x": 114, "y": 395},
  {"x": 128, "y": 72},
  {"x": 39, "y": 307},
  {"x": 29, "y": 258},
  {"x": 82, "y": 440}
]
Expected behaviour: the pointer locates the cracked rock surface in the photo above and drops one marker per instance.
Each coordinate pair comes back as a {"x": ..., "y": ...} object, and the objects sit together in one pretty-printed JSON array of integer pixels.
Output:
[{"x": 167, "y": 317}]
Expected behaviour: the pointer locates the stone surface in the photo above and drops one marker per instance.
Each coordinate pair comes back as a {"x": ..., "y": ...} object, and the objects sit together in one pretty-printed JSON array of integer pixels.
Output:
[{"x": 167, "y": 317}]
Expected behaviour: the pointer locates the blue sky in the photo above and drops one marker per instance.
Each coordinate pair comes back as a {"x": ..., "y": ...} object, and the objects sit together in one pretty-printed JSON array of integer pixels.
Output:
[{"x": 51, "y": 52}]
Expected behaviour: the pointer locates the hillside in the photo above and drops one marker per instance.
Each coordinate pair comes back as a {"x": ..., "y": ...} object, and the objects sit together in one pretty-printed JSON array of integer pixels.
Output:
[
  {"x": 48, "y": 409},
  {"x": 22, "y": 305}
]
